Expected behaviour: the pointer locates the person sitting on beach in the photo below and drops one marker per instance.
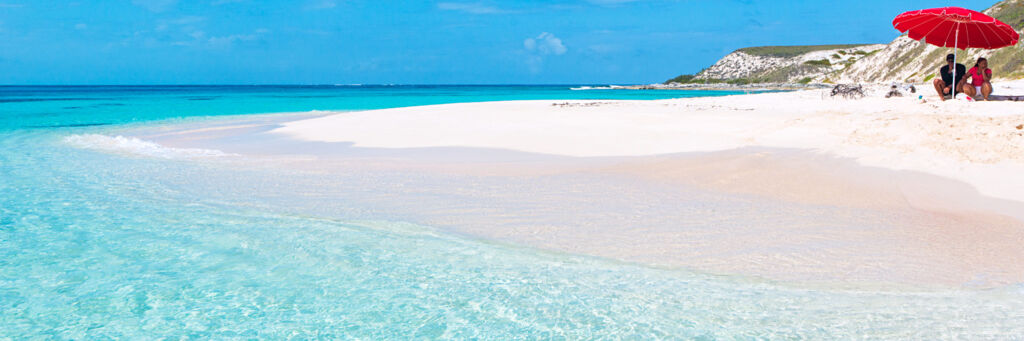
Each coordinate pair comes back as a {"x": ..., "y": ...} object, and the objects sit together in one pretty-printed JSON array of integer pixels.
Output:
[
  {"x": 980, "y": 76},
  {"x": 945, "y": 84}
]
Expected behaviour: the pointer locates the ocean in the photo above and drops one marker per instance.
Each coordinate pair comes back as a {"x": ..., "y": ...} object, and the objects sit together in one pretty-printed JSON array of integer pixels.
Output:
[{"x": 100, "y": 245}]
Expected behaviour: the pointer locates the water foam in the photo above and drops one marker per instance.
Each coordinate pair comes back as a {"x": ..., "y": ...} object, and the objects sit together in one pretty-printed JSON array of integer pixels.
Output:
[
  {"x": 135, "y": 146},
  {"x": 610, "y": 87}
]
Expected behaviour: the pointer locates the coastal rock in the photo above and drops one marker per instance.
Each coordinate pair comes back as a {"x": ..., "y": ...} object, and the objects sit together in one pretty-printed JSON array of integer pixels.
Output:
[{"x": 785, "y": 64}]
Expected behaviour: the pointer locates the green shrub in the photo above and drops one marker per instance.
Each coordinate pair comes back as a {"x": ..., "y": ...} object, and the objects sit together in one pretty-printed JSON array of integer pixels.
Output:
[
  {"x": 681, "y": 79},
  {"x": 806, "y": 80},
  {"x": 792, "y": 51},
  {"x": 836, "y": 56},
  {"x": 926, "y": 79},
  {"x": 823, "y": 62},
  {"x": 1010, "y": 12}
]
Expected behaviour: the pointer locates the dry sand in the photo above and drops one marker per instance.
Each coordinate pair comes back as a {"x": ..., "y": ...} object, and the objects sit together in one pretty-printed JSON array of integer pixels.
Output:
[{"x": 978, "y": 143}]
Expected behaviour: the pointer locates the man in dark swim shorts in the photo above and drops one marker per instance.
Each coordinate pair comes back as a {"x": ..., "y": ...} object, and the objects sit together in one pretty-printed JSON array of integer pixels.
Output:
[{"x": 944, "y": 84}]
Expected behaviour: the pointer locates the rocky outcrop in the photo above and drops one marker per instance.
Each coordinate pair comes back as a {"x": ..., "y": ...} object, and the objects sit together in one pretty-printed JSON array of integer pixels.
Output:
[
  {"x": 742, "y": 65},
  {"x": 779, "y": 64}
]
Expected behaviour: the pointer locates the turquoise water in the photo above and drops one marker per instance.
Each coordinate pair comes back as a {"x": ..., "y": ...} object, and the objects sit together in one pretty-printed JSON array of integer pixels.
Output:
[
  {"x": 100, "y": 245},
  {"x": 64, "y": 106}
]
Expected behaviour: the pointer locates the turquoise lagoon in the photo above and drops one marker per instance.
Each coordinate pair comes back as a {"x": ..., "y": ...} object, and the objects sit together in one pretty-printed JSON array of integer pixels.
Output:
[{"x": 97, "y": 245}]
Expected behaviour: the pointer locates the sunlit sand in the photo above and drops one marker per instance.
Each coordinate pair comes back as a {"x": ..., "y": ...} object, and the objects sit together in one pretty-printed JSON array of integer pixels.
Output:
[{"x": 787, "y": 186}]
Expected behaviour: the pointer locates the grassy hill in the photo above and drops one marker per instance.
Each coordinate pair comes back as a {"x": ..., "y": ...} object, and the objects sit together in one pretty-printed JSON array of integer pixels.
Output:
[
  {"x": 1009, "y": 61},
  {"x": 906, "y": 60},
  {"x": 902, "y": 60},
  {"x": 792, "y": 51},
  {"x": 780, "y": 64}
]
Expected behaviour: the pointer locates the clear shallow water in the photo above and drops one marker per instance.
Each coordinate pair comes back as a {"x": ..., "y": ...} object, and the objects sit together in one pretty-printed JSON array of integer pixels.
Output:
[
  {"x": 71, "y": 106},
  {"x": 97, "y": 245}
]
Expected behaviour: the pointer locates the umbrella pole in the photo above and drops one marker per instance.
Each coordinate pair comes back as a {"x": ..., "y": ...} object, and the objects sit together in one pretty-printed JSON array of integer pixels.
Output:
[{"x": 956, "y": 41}]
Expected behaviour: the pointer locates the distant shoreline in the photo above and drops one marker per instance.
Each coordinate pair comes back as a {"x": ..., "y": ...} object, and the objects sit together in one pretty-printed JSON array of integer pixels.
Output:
[{"x": 725, "y": 86}]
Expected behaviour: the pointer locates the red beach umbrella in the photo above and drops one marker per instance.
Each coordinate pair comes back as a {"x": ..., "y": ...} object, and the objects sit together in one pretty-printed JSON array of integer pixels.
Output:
[{"x": 956, "y": 27}]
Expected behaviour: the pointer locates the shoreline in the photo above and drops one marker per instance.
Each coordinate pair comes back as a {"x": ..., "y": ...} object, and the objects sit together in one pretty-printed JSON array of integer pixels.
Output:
[
  {"x": 718, "y": 86},
  {"x": 618, "y": 179}
]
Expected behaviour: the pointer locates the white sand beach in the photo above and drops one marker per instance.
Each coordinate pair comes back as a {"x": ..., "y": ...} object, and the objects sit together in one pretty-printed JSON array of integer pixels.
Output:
[
  {"x": 980, "y": 143},
  {"x": 793, "y": 186}
]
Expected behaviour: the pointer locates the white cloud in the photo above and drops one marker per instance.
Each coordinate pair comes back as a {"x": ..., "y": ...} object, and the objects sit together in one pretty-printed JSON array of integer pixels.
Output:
[
  {"x": 538, "y": 48},
  {"x": 472, "y": 8},
  {"x": 545, "y": 44},
  {"x": 191, "y": 31}
]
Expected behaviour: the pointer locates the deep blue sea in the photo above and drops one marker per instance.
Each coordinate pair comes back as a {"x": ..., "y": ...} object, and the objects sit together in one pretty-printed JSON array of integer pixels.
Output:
[{"x": 97, "y": 245}]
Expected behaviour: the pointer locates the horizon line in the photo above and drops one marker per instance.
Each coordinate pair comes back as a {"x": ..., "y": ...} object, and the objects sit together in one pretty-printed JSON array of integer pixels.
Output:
[{"x": 323, "y": 84}]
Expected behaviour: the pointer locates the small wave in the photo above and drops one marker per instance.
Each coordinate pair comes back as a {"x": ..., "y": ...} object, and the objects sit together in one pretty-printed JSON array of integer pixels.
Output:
[
  {"x": 134, "y": 146},
  {"x": 610, "y": 87}
]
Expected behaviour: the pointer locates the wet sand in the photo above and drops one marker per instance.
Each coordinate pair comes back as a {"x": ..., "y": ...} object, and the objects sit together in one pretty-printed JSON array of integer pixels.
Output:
[{"x": 782, "y": 214}]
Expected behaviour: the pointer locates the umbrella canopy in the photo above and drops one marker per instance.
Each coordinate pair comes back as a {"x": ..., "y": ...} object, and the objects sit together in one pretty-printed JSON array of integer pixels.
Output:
[{"x": 956, "y": 27}]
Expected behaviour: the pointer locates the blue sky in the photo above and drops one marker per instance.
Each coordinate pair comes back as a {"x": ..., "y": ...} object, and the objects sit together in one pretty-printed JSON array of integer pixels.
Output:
[{"x": 412, "y": 41}]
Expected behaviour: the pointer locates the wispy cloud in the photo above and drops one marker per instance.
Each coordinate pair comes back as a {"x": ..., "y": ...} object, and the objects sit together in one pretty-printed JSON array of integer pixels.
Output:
[
  {"x": 155, "y": 5},
  {"x": 472, "y": 8},
  {"x": 545, "y": 44},
  {"x": 537, "y": 49},
  {"x": 230, "y": 39},
  {"x": 321, "y": 4},
  {"x": 190, "y": 31},
  {"x": 201, "y": 39},
  {"x": 195, "y": 37},
  {"x": 186, "y": 23}
]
